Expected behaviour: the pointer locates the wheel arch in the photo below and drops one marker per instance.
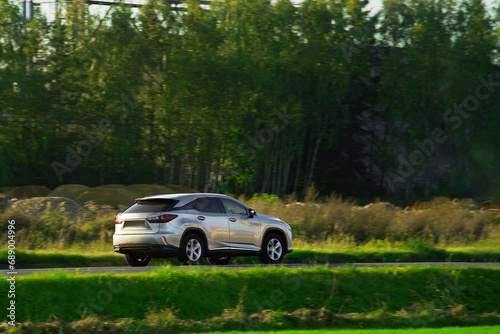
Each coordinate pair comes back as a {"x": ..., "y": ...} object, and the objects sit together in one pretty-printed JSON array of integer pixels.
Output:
[
  {"x": 197, "y": 231},
  {"x": 281, "y": 233}
]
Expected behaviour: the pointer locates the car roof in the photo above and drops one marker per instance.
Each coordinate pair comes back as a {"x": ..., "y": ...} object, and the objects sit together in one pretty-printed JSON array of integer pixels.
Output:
[
  {"x": 185, "y": 198},
  {"x": 177, "y": 196}
]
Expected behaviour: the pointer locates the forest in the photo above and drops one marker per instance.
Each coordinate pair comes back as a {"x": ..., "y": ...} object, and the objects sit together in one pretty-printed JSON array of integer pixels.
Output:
[{"x": 252, "y": 96}]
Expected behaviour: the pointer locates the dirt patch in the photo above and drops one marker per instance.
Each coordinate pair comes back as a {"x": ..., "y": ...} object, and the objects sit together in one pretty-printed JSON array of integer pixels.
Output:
[
  {"x": 65, "y": 207},
  {"x": 180, "y": 189},
  {"x": 143, "y": 190},
  {"x": 27, "y": 192},
  {"x": 111, "y": 196},
  {"x": 69, "y": 191}
]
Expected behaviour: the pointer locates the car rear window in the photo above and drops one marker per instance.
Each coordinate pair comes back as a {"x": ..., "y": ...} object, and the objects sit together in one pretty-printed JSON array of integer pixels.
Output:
[{"x": 151, "y": 206}]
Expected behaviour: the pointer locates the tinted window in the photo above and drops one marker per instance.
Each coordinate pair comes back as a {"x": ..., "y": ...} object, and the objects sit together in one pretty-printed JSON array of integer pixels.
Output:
[
  {"x": 232, "y": 207},
  {"x": 188, "y": 206},
  {"x": 151, "y": 206},
  {"x": 208, "y": 204}
]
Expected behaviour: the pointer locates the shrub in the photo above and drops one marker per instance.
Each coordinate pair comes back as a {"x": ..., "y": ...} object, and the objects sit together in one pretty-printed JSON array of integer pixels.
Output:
[
  {"x": 69, "y": 191},
  {"x": 440, "y": 221},
  {"x": 107, "y": 195},
  {"x": 334, "y": 219},
  {"x": 53, "y": 228}
]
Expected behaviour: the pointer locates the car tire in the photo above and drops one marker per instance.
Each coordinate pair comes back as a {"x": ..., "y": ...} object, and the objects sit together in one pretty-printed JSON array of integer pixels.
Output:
[
  {"x": 192, "y": 249},
  {"x": 137, "y": 260},
  {"x": 218, "y": 260},
  {"x": 273, "y": 249}
]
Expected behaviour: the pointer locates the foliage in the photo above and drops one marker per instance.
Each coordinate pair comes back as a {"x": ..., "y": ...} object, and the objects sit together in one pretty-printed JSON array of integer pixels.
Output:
[
  {"x": 253, "y": 96},
  {"x": 440, "y": 221},
  {"x": 166, "y": 295},
  {"x": 52, "y": 230},
  {"x": 261, "y": 323},
  {"x": 96, "y": 254}
]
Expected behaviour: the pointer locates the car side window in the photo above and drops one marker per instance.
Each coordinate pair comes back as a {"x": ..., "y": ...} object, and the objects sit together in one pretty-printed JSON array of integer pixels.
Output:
[
  {"x": 232, "y": 207},
  {"x": 207, "y": 204},
  {"x": 188, "y": 206}
]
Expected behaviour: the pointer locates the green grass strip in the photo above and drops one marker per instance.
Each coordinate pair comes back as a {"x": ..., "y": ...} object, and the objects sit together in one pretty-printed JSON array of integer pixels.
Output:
[
  {"x": 298, "y": 256},
  {"x": 58, "y": 257},
  {"x": 199, "y": 294},
  {"x": 446, "y": 330}
]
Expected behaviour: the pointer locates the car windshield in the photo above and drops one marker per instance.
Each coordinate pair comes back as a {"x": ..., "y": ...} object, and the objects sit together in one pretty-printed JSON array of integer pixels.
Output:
[{"x": 151, "y": 206}]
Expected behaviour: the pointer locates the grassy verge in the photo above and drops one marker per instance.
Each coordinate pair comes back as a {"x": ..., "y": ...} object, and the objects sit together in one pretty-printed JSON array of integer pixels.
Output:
[
  {"x": 433, "y": 224},
  {"x": 321, "y": 255},
  {"x": 283, "y": 323},
  {"x": 392, "y": 255},
  {"x": 203, "y": 294},
  {"x": 446, "y": 330},
  {"x": 64, "y": 258}
]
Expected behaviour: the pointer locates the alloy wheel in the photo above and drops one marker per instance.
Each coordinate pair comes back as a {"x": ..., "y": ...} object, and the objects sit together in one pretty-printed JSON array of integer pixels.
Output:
[
  {"x": 193, "y": 250},
  {"x": 274, "y": 249}
]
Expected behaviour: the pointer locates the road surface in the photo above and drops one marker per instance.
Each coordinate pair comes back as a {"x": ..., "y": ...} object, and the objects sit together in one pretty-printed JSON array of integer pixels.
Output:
[{"x": 128, "y": 270}]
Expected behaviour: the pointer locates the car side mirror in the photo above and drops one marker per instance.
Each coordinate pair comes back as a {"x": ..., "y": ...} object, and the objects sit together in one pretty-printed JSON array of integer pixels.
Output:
[{"x": 252, "y": 213}]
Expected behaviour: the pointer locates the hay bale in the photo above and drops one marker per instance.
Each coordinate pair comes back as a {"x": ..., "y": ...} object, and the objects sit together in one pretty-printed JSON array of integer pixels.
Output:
[
  {"x": 143, "y": 190},
  {"x": 65, "y": 207},
  {"x": 69, "y": 191},
  {"x": 102, "y": 195},
  {"x": 28, "y": 192},
  {"x": 495, "y": 200},
  {"x": 114, "y": 186},
  {"x": 4, "y": 202},
  {"x": 180, "y": 189}
]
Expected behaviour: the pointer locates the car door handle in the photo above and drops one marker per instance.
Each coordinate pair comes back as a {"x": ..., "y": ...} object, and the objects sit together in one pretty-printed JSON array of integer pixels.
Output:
[
  {"x": 200, "y": 218},
  {"x": 232, "y": 219}
]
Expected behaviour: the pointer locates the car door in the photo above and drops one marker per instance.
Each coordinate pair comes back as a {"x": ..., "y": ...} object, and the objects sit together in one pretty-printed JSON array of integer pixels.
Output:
[
  {"x": 244, "y": 232},
  {"x": 209, "y": 214}
]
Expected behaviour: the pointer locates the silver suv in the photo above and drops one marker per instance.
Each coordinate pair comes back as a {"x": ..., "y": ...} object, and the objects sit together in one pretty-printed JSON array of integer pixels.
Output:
[{"x": 194, "y": 226}]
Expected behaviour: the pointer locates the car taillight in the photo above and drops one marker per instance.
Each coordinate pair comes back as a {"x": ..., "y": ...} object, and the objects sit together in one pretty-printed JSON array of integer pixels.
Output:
[
  {"x": 118, "y": 220},
  {"x": 161, "y": 219}
]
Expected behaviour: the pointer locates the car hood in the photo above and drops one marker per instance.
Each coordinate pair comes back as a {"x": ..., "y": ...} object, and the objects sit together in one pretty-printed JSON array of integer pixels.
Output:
[{"x": 268, "y": 217}]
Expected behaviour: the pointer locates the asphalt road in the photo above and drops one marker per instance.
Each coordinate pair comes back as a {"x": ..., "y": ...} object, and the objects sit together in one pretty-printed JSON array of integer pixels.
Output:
[{"x": 128, "y": 270}]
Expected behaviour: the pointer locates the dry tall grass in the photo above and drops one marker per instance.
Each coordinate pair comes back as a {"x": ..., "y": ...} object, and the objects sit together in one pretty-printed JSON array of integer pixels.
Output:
[
  {"x": 334, "y": 220},
  {"x": 440, "y": 221},
  {"x": 53, "y": 229}
]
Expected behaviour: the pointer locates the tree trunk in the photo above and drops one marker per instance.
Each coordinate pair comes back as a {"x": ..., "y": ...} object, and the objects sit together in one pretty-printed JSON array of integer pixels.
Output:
[
  {"x": 274, "y": 176},
  {"x": 315, "y": 153},
  {"x": 207, "y": 177},
  {"x": 286, "y": 173},
  {"x": 172, "y": 162},
  {"x": 267, "y": 175},
  {"x": 299, "y": 165},
  {"x": 181, "y": 171}
]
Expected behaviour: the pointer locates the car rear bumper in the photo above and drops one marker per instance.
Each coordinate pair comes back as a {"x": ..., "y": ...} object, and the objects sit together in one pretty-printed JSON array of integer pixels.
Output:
[{"x": 153, "y": 250}]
